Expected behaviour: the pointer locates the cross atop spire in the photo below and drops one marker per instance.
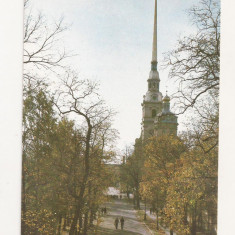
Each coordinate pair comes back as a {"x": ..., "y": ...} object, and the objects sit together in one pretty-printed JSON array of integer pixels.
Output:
[{"x": 154, "y": 52}]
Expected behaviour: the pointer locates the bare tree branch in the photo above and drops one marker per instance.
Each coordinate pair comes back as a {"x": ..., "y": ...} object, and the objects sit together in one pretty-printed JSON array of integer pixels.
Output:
[{"x": 195, "y": 64}]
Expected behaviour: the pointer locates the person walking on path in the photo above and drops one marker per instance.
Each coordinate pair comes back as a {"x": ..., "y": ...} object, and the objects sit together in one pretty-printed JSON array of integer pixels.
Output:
[
  {"x": 116, "y": 223},
  {"x": 122, "y": 222}
]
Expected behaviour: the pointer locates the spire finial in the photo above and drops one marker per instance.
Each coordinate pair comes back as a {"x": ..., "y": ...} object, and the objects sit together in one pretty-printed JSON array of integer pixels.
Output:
[
  {"x": 166, "y": 98},
  {"x": 154, "y": 52}
]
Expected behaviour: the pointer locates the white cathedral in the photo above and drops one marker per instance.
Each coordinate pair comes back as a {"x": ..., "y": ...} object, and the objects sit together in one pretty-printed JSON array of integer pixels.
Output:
[{"x": 157, "y": 119}]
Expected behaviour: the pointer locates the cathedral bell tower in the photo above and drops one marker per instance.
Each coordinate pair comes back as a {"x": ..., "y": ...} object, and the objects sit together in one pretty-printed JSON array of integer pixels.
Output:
[
  {"x": 166, "y": 122},
  {"x": 152, "y": 101}
]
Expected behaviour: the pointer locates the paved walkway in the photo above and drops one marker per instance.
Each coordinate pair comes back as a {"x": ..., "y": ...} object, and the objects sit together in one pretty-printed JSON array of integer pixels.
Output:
[
  {"x": 154, "y": 217},
  {"x": 119, "y": 208}
]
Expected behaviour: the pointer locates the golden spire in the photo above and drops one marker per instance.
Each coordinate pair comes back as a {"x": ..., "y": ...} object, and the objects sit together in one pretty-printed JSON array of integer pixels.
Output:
[{"x": 154, "y": 52}]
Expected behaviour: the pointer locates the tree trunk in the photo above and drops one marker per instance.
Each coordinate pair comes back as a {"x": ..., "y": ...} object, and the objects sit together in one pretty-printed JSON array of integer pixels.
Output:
[
  {"x": 137, "y": 198},
  {"x": 85, "y": 224},
  {"x": 84, "y": 181},
  {"x": 185, "y": 217},
  {"x": 65, "y": 222},
  {"x": 128, "y": 194},
  {"x": 59, "y": 227},
  {"x": 75, "y": 220},
  {"x": 157, "y": 220},
  {"x": 194, "y": 230},
  {"x": 80, "y": 225},
  {"x": 23, "y": 201},
  {"x": 91, "y": 218},
  {"x": 194, "y": 222}
]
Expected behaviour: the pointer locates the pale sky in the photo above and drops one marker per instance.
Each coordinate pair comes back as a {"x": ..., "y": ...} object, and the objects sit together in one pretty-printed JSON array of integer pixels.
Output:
[{"x": 113, "y": 40}]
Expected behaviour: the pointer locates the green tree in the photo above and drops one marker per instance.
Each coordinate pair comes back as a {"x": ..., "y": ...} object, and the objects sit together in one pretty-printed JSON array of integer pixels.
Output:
[
  {"x": 195, "y": 64},
  {"x": 125, "y": 179},
  {"x": 64, "y": 175},
  {"x": 193, "y": 191},
  {"x": 38, "y": 133},
  {"x": 162, "y": 156},
  {"x": 131, "y": 171}
]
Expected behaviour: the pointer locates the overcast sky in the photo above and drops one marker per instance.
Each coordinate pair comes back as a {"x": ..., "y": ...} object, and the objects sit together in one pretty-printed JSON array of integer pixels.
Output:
[{"x": 113, "y": 40}]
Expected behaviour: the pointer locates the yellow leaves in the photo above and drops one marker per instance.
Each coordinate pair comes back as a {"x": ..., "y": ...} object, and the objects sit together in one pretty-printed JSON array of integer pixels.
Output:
[
  {"x": 162, "y": 153},
  {"x": 41, "y": 220},
  {"x": 180, "y": 177}
]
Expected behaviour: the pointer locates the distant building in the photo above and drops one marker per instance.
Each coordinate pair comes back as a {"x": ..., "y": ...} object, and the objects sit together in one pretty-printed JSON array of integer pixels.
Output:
[{"x": 157, "y": 119}]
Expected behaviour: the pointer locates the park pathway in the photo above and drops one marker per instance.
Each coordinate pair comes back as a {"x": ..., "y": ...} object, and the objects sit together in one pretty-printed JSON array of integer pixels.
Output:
[
  {"x": 153, "y": 217},
  {"x": 119, "y": 208}
]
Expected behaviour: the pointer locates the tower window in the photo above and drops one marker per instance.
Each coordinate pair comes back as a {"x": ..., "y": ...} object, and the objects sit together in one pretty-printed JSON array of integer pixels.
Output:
[{"x": 154, "y": 113}]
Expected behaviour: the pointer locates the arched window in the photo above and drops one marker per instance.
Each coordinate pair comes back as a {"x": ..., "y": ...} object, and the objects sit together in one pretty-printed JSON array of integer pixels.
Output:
[{"x": 154, "y": 113}]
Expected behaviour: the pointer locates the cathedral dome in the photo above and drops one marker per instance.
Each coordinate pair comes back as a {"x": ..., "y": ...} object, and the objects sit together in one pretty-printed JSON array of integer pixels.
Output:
[{"x": 166, "y": 99}]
